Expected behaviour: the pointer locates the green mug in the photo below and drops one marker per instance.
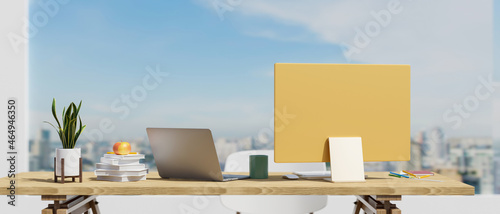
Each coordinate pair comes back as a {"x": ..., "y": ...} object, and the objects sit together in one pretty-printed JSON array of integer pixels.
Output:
[{"x": 258, "y": 166}]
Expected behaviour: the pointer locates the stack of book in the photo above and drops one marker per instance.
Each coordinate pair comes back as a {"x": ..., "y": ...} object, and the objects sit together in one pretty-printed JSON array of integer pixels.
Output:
[{"x": 121, "y": 168}]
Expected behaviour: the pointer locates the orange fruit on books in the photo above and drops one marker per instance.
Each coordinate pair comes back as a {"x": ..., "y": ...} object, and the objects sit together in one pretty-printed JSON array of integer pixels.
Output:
[{"x": 122, "y": 148}]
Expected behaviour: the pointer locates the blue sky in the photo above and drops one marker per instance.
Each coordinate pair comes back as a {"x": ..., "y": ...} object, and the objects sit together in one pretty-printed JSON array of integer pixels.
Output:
[{"x": 220, "y": 71}]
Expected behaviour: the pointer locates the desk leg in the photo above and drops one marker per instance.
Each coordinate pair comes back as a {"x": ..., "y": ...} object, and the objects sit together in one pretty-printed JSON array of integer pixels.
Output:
[
  {"x": 94, "y": 207},
  {"x": 376, "y": 204},
  {"x": 64, "y": 204}
]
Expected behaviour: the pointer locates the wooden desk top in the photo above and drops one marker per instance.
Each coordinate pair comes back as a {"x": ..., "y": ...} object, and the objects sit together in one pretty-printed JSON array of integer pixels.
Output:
[{"x": 378, "y": 183}]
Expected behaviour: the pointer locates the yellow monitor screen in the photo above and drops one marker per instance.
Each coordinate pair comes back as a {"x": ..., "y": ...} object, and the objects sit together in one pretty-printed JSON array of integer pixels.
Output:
[{"x": 316, "y": 101}]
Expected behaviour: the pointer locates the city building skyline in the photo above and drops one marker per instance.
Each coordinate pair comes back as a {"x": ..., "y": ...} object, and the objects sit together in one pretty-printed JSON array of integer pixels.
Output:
[
  {"x": 468, "y": 159},
  {"x": 184, "y": 64}
]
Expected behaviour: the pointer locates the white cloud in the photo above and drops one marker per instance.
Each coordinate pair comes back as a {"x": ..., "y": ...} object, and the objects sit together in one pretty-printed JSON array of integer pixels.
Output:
[
  {"x": 436, "y": 35},
  {"x": 448, "y": 43},
  {"x": 329, "y": 19}
]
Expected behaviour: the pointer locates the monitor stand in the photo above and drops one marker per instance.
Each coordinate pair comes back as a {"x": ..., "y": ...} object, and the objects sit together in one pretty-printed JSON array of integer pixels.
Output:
[{"x": 346, "y": 159}]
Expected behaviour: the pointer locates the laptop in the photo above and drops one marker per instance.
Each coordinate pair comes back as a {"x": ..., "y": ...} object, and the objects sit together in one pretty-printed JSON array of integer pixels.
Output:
[{"x": 187, "y": 154}]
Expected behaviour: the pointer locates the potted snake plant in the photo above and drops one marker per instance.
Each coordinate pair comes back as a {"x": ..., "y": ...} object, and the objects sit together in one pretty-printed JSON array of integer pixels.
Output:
[{"x": 68, "y": 134}]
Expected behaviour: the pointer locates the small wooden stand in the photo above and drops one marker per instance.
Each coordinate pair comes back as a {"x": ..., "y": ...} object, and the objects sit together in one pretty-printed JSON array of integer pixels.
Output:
[
  {"x": 377, "y": 204},
  {"x": 62, "y": 171}
]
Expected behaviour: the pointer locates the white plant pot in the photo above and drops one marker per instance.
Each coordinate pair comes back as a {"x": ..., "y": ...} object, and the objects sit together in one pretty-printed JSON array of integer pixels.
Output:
[{"x": 71, "y": 161}]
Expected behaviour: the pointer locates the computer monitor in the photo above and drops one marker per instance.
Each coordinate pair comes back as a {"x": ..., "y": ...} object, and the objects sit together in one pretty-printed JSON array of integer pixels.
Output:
[{"x": 316, "y": 101}]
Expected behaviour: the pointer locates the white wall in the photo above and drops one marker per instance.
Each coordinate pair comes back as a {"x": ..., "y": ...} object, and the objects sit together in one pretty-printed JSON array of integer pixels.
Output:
[
  {"x": 13, "y": 73},
  {"x": 13, "y": 77}
]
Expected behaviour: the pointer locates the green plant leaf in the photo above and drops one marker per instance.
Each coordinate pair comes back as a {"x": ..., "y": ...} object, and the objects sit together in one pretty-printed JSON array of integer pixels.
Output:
[
  {"x": 64, "y": 111},
  {"x": 80, "y": 129},
  {"x": 66, "y": 116},
  {"x": 80, "y": 121},
  {"x": 79, "y": 132},
  {"x": 77, "y": 135},
  {"x": 77, "y": 109},
  {"x": 63, "y": 138},
  {"x": 69, "y": 131},
  {"x": 72, "y": 115},
  {"x": 73, "y": 130},
  {"x": 54, "y": 111}
]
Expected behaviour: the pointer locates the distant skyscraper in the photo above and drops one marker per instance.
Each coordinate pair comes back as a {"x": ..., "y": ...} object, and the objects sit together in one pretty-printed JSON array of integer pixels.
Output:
[
  {"x": 415, "y": 162},
  {"x": 46, "y": 161},
  {"x": 419, "y": 137},
  {"x": 473, "y": 158},
  {"x": 33, "y": 157},
  {"x": 427, "y": 150},
  {"x": 40, "y": 152},
  {"x": 437, "y": 138},
  {"x": 434, "y": 148}
]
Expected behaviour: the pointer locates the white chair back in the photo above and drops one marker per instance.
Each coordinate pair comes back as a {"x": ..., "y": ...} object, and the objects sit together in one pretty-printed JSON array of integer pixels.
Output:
[
  {"x": 271, "y": 204},
  {"x": 239, "y": 162}
]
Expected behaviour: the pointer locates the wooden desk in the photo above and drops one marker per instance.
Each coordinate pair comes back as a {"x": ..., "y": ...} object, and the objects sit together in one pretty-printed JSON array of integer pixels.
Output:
[{"x": 374, "y": 196}]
